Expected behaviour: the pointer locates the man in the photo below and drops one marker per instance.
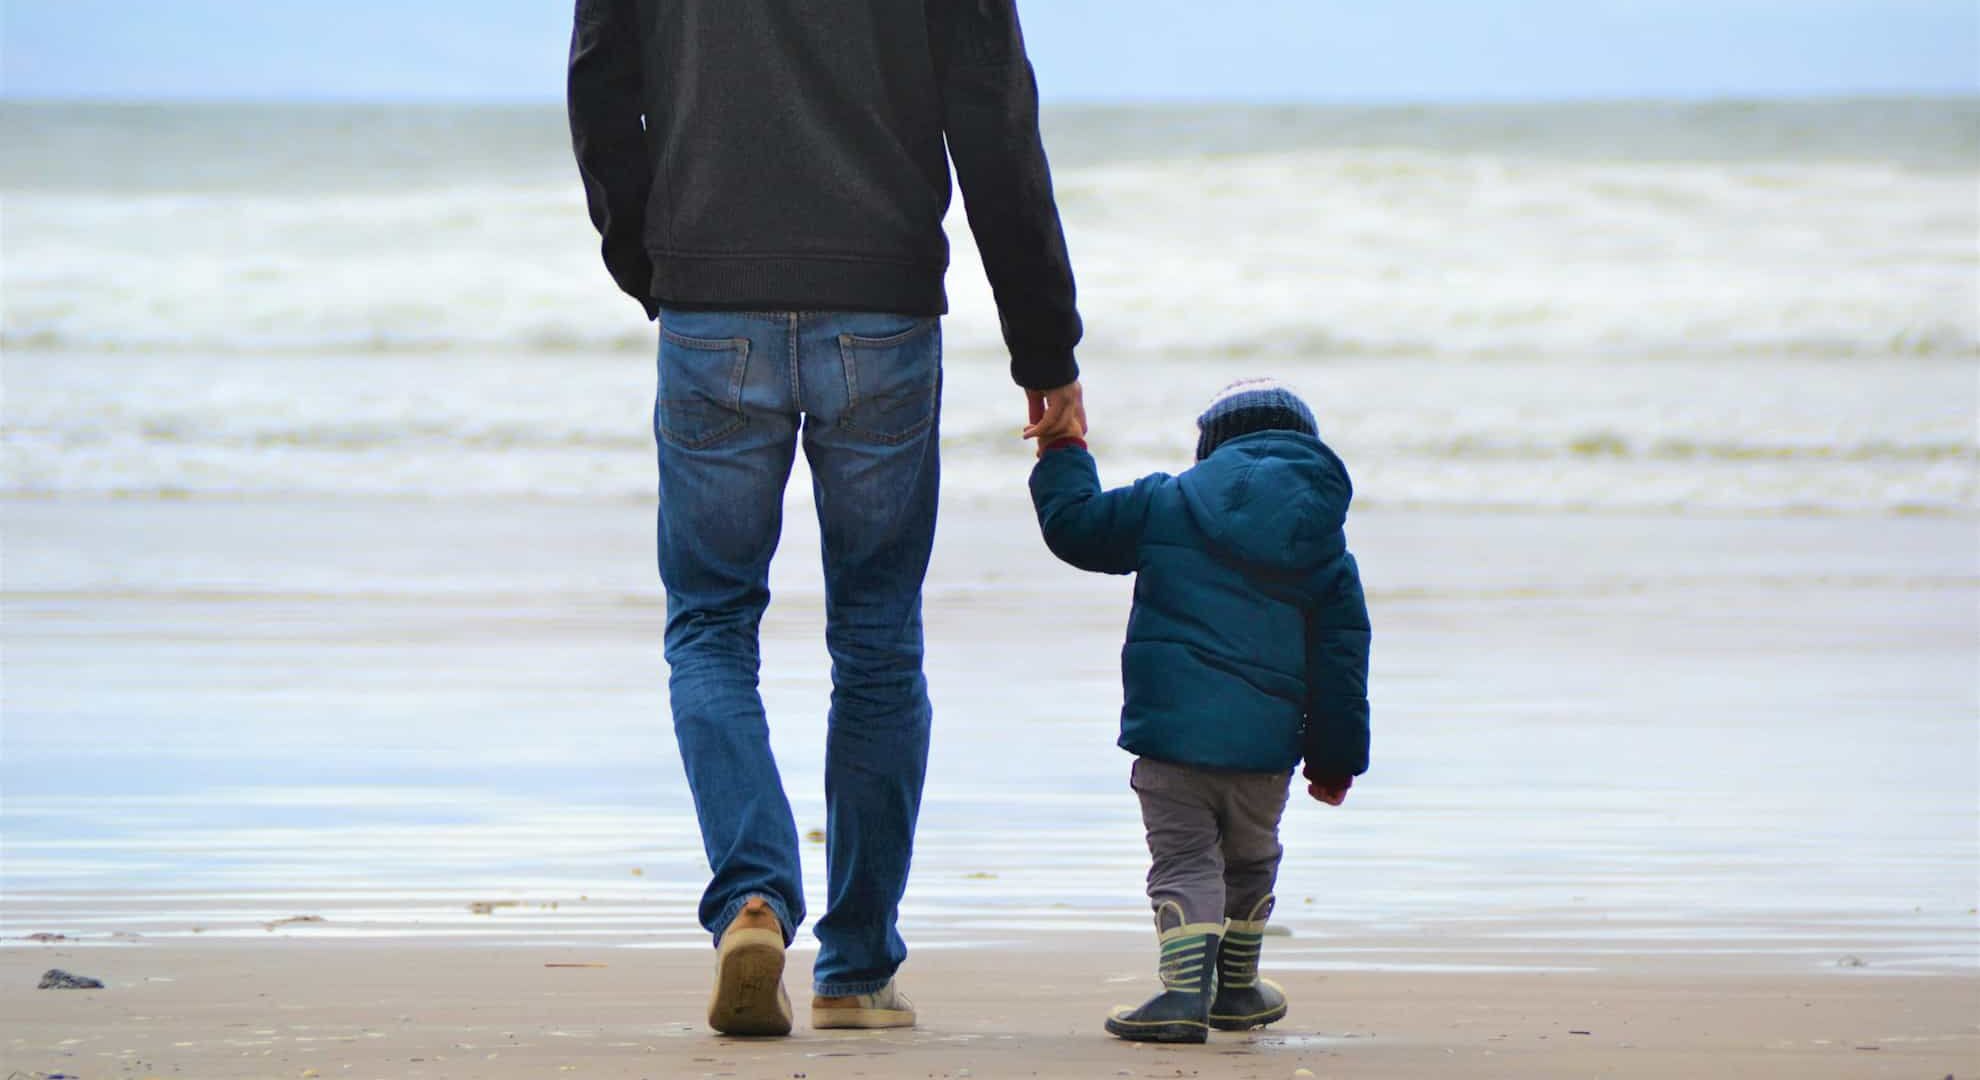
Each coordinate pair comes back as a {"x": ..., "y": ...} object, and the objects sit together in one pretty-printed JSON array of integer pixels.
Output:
[{"x": 770, "y": 180}]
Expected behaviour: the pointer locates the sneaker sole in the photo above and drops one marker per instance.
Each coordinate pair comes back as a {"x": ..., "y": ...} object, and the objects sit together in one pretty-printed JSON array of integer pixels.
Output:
[
  {"x": 749, "y": 994},
  {"x": 828, "y": 1019},
  {"x": 1165, "y": 1031}
]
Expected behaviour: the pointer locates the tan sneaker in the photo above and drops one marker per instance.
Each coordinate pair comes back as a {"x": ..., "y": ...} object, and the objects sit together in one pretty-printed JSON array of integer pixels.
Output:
[
  {"x": 749, "y": 996},
  {"x": 886, "y": 1007}
]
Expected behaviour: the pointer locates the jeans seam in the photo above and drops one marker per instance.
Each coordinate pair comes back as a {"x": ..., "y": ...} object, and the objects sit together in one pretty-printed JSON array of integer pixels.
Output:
[
  {"x": 851, "y": 369},
  {"x": 797, "y": 366}
]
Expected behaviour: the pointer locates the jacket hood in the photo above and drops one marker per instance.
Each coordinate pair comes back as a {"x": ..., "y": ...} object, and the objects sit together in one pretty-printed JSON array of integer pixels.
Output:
[{"x": 1276, "y": 498}]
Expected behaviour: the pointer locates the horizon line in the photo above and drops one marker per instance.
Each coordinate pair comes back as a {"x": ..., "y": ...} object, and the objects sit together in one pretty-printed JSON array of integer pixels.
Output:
[{"x": 1867, "y": 96}]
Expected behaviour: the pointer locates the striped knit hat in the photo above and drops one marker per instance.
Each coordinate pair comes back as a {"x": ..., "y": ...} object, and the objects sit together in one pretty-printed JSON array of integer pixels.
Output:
[{"x": 1248, "y": 406}]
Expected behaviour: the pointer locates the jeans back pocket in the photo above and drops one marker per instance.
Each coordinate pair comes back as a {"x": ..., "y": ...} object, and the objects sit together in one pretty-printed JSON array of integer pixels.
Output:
[
  {"x": 894, "y": 383},
  {"x": 701, "y": 385}
]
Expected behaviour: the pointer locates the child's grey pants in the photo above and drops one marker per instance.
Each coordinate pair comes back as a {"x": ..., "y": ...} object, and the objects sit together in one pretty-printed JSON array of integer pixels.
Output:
[{"x": 1213, "y": 835}]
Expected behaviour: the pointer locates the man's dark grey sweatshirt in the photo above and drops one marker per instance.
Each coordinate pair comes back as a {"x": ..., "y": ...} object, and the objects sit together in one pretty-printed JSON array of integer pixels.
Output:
[{"x": 789, "y": 155}]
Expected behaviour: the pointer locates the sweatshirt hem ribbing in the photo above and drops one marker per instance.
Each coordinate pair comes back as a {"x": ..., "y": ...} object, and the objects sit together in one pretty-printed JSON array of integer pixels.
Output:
[{"x": 797, "y": 283}]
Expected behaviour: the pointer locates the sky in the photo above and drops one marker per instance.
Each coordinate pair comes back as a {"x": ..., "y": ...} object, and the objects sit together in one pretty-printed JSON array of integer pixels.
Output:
[{"x": 1084, "y": 50}]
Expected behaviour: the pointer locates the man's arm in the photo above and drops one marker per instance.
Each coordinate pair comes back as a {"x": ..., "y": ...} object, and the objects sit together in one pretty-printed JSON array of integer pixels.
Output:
[
  {"x": 608, "y": 132},
  {"x": 990, "y": 115},
  {"x": 1083, "y": 525}
]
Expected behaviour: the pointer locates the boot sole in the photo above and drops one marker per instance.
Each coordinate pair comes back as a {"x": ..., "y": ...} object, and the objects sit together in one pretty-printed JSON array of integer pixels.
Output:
[
  {"x": 1163, "y": 1031},
  {"x": 1246, "y": 1023},
  {"x": 749, "y": 985}
]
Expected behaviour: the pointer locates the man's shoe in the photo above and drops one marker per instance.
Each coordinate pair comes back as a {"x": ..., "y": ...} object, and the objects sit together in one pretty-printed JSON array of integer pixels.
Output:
[
  {"x": 1181, "y": 1012},
  {"x": 749, "y": 996},
  {"x": 886, "y": 1007},
  {"x": 1245, "y": 1001}
]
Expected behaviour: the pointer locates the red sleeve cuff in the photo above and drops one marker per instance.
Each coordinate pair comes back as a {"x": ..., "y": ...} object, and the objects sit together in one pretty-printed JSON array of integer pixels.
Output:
[{"x": 1066, "y": 443}]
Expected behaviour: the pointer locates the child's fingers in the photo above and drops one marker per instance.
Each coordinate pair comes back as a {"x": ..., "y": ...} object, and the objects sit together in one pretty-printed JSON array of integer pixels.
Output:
[
  {"x": 1055, "y": 426},
  {"x": 1035, "y": 411}
]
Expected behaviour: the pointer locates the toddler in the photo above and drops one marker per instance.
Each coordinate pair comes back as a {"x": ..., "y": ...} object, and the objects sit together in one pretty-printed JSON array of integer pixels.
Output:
[{"x": 1247, "y": 652}]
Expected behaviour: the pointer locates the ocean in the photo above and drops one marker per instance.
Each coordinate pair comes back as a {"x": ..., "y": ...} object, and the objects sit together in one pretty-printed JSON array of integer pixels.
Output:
[
  {"x": 1711, "y": 308},
  {"x": 326, "y": 481}
]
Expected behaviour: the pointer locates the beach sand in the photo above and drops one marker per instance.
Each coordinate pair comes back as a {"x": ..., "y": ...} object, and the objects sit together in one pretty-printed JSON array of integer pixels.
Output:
[
  {"x": 282, "y": 1009},
  {"x": 1703, "y": 787}
]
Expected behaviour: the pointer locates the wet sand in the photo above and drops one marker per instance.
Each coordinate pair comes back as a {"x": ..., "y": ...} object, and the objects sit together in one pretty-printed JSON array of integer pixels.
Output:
[
  {"x": 1701, "y": 786},
  {"x": 281, "y": 1009}
]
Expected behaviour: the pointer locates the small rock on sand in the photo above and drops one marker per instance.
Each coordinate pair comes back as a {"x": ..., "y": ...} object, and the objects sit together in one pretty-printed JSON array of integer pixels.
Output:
[{"x": 57, "y": 979}]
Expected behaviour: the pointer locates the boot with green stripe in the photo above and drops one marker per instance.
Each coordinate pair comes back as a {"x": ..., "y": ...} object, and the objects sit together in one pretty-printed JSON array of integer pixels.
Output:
[
  {"x": 1245, "y": 1001},
  {"x": 1181, "y": 1012}
]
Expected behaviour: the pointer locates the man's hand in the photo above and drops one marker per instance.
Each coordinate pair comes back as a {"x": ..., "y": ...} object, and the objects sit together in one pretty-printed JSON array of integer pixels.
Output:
[
  {"x": 1332, "y": 790},
  {"x": 1056, "y": 414}
]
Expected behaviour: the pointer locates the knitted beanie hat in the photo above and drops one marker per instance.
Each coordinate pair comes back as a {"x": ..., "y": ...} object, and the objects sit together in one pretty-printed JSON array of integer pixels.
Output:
[{"x": 1248, "y": 406}]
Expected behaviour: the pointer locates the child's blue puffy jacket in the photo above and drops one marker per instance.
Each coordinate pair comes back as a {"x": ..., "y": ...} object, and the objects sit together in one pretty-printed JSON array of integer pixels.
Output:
[{"x": 1248, "y": 644}]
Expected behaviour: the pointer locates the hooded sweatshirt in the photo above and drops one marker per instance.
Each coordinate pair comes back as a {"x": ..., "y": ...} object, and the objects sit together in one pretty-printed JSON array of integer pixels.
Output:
[
  {"x": 1247, "y": 647},
  {"x": 793, "y": 155}
]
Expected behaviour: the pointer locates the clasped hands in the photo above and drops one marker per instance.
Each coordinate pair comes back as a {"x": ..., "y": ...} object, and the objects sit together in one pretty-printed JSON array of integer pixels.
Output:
[{"x": 1055, "y": 414}]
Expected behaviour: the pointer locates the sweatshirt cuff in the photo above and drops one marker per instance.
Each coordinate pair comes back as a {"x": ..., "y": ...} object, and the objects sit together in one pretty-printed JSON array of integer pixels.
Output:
[{"x": 1044, "y": 370}]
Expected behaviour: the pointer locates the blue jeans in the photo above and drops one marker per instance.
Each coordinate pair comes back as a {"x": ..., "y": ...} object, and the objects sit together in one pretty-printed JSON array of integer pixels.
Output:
[{"x": 736, "y": 389}]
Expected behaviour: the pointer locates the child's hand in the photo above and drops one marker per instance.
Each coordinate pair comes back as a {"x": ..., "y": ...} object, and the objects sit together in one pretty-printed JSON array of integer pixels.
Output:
[{"x": 1332, "y": 790}]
